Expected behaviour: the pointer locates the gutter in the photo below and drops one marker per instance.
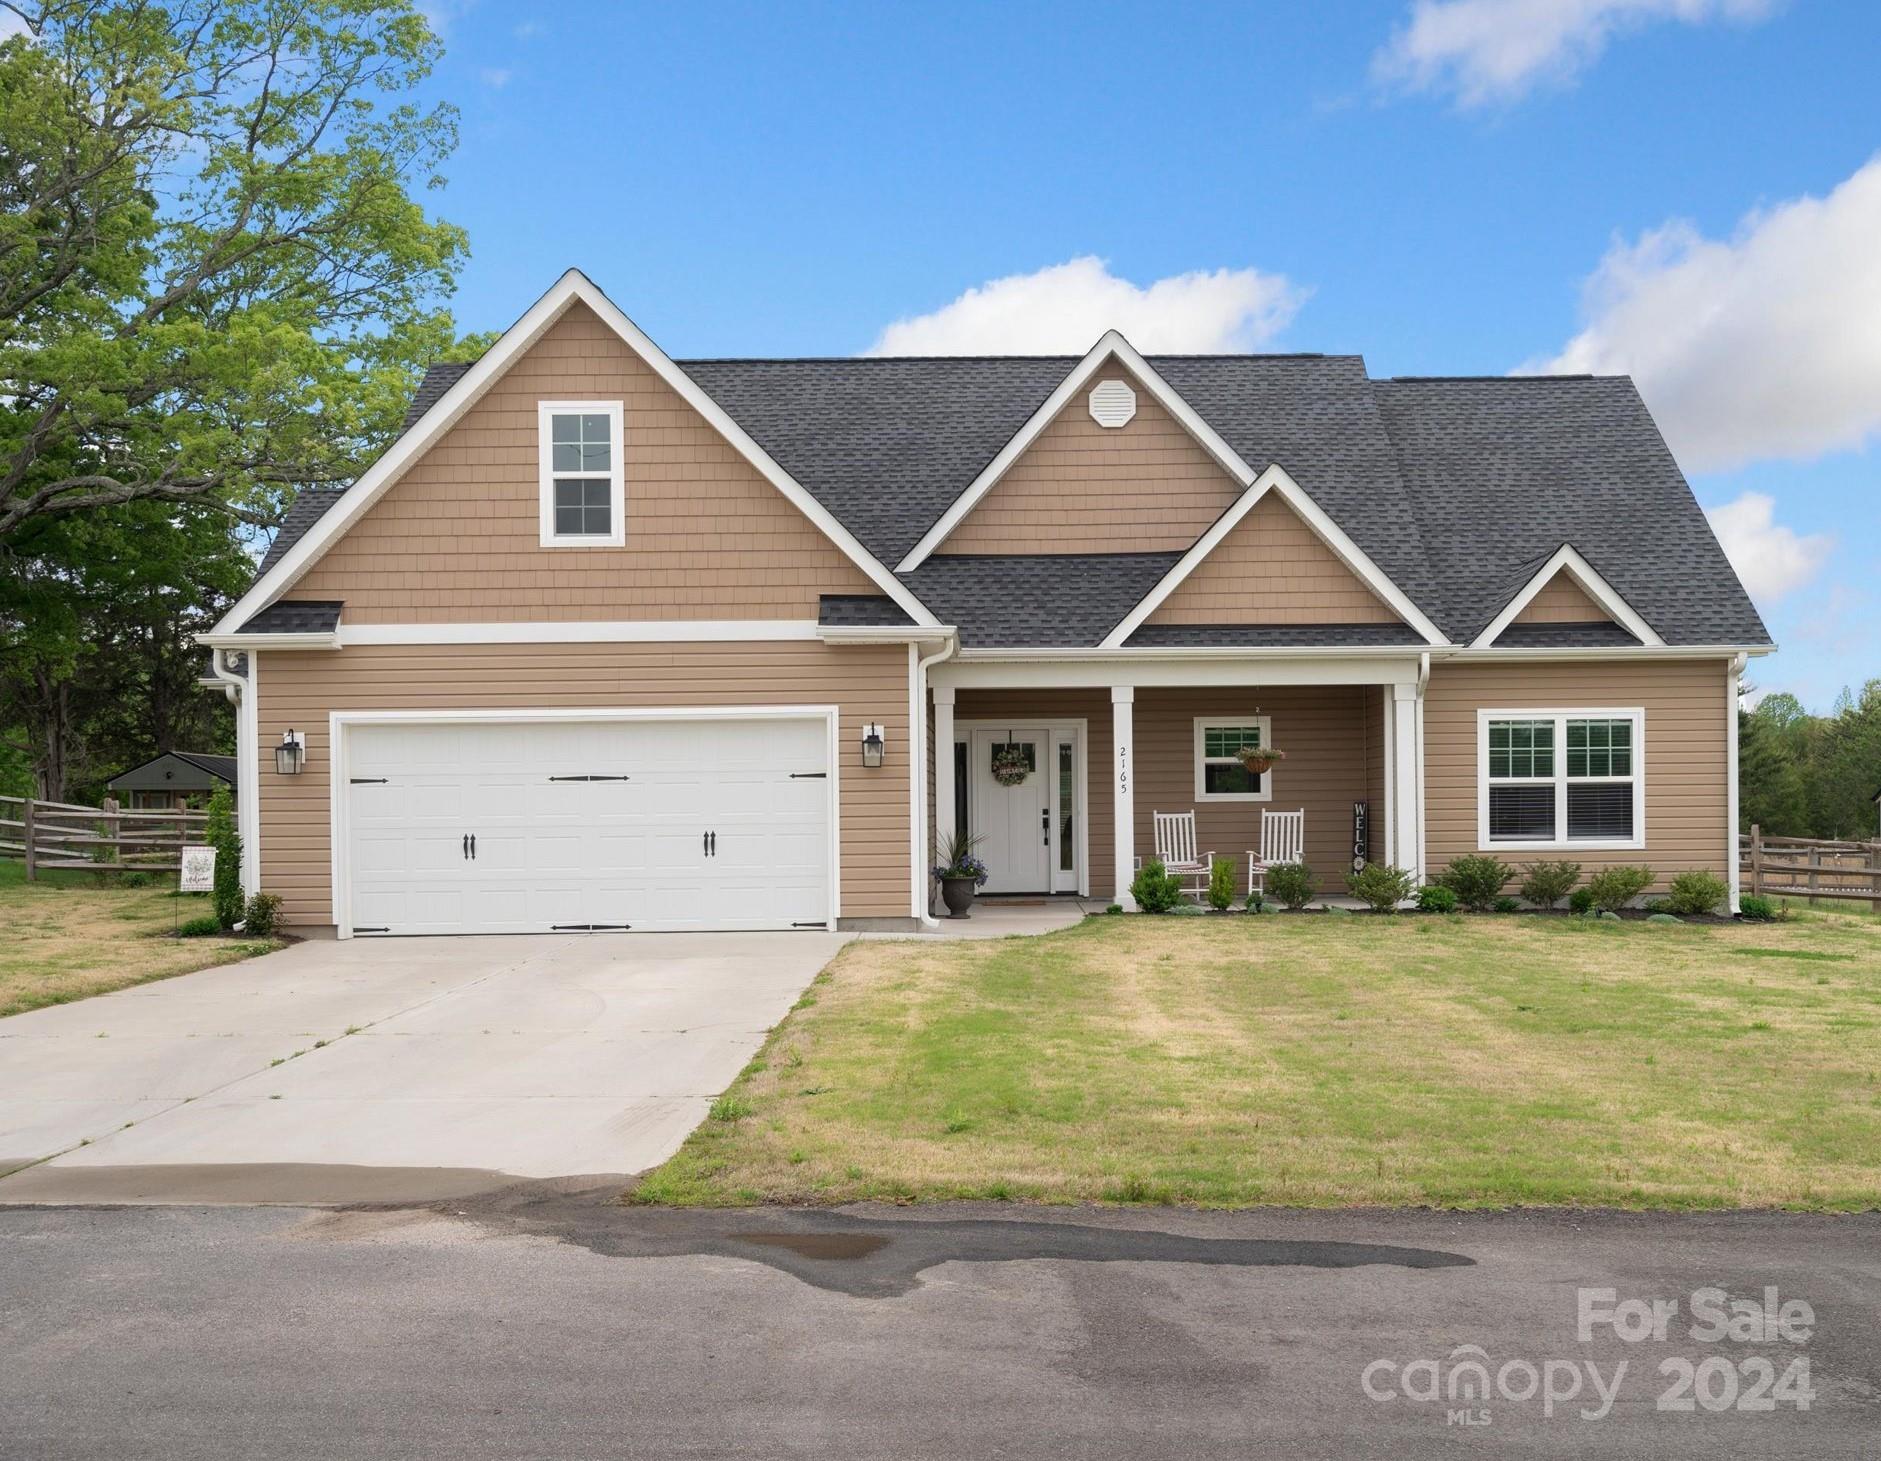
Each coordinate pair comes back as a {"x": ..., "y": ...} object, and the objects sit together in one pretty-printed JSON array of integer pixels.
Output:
[
  {"x": 328, "y": 640},
  {"x": 886, "y": 633}
]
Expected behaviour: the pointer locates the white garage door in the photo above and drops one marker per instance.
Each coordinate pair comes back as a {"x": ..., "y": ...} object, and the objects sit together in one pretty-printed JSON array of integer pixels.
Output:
[{"x": 623, "y": 824}]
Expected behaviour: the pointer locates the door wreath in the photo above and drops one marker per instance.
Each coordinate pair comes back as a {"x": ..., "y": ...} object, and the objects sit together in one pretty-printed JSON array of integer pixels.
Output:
[{"x": 1009, "y": 765}]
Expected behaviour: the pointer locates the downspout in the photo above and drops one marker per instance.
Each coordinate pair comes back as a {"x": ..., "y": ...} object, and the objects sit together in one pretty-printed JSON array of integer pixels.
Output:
[
  {"x": 1423, "y": 683},
  {"x": 236, "y": 685},
  {"x": 1733, "y": 854},
  {"x": 917, "y": 735}
]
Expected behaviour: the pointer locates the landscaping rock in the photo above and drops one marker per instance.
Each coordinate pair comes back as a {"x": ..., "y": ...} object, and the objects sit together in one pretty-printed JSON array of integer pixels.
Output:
[
  {"x": 1607, "y": 916},
  {"x": 1662, "y": 918},
  {"x": 1338, "y": 912}
]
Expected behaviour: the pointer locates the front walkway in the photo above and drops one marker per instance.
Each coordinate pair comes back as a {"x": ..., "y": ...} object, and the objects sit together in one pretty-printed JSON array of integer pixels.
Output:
[{"x": 390, "y": 1069}]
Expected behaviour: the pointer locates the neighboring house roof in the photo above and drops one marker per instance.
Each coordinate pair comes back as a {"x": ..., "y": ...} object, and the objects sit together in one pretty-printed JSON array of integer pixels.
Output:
[
  {"x": 295, "y": 616},
  {"x": 177, "y": 771},
  {"x": 1457, "y": 488}
]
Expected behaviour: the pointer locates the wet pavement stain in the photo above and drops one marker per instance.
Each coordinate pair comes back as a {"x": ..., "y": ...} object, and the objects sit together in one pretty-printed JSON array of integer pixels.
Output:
[{"x": 870, "y": 1257}]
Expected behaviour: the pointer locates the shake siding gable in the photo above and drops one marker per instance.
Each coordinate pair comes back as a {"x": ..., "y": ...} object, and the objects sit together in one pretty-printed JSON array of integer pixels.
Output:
[
  {"x": 457, "y": 537},
  {"x": 1272, "y": 568},
  {"x": 1079, "y": 487},
  {"x": 865, "y": 683},
  {"x": 1562, "y": 601}
]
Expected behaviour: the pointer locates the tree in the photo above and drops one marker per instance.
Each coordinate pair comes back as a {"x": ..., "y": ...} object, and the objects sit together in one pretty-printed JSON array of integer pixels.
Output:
[
  {"x": 219, "y": 830},
  {"x": 214, "y": 282}
]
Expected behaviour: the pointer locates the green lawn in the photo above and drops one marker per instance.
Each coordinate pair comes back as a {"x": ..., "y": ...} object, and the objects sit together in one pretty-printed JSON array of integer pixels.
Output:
[
  {"x": 1317, "y": 1060},
  {"x": 75, "y": 934}
]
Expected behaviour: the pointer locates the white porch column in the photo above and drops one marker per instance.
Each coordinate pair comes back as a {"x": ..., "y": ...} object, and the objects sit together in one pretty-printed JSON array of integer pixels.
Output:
[
  {"x": 1406, "y": 814},
  {"x": 1123, "y": 789},
  {"x": 943, "y": 752}
]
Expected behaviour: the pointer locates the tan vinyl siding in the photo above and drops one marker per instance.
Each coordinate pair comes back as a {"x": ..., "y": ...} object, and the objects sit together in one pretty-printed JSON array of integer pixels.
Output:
[
  {"x": 1083, "y": 488},
  {"x": 865, "y": 683},
  {"x": 1272, "y": 568},
  {"x": 1685, "y": 758},
  {"x": 1326, "y": 732},
  {"x": 1562, "y": 601},
  {"x": 457, "y": 538}
]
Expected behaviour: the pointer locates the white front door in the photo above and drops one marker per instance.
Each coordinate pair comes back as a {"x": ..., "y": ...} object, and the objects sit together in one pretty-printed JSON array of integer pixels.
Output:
[
  {"x": 505, "y": 827},
  {"x": 1014, "y": 820}
]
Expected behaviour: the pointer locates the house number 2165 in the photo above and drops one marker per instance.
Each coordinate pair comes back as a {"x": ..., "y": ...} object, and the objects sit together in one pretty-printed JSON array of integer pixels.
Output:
[{"x": 1123, "y": 769}]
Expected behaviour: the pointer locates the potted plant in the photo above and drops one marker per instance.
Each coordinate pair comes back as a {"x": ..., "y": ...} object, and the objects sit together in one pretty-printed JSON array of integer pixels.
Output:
[
  {"x": 960, "y": 873},
  {"x": 1259, "y": 760}
]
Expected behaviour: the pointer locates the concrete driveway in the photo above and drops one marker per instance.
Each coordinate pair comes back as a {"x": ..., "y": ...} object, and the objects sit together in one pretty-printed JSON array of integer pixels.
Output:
[{"x": 389, "y": 1069}]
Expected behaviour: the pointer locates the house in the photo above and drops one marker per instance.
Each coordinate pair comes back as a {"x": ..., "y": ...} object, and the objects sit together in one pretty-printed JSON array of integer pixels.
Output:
[
  {"x": 606, "y": 640},
  {"x": 173, "y": 780}
]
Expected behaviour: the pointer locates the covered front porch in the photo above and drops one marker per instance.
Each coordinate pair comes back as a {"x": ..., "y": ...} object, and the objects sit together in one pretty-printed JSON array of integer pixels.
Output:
[{"x": 1061, "y": 780}]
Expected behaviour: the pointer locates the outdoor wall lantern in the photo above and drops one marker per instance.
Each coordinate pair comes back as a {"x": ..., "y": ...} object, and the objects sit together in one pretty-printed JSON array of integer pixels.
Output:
[
  {"x": 873, "y": 745},
  {"x": 291, "y": 754}
]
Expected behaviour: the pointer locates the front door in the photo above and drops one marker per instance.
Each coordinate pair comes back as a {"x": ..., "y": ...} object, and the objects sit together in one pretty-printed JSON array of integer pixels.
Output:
[{"x": 1012, "y": 780}]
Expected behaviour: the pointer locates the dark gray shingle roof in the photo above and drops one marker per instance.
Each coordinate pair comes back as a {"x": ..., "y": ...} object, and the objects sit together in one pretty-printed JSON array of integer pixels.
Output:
[
  {"x": 1603, "y": 635},
  {"x": 1458, "y": 488},
  {"x": 295, "y": 616},
  {"x": 1036, "y": 599},
  {"x": 1273, "y": 636},
  {"x": 851, "y": 610},
  {"x": 1503, "y": 470}
]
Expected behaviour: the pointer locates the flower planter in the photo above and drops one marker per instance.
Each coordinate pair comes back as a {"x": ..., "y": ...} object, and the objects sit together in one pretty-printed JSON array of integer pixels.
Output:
[
  {"x": 1259, "y": 763},
  {"x": 957, "y": 894}
]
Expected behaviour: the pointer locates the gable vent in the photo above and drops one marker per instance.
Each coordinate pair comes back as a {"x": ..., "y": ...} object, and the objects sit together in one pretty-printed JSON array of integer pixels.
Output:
[{"x": 1113, "y": 403}]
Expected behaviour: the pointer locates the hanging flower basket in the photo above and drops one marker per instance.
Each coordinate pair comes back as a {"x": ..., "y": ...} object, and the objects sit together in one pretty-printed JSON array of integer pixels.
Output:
[
  {"x": 1259, "y": 760},
  {"x": 1009, "y": 768}
]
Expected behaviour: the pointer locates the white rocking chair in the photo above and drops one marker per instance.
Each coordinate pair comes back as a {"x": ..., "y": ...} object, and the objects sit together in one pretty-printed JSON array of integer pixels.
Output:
[
  {"x": 1283, "y": 839},
  {"x": 1175, "y": 847}
]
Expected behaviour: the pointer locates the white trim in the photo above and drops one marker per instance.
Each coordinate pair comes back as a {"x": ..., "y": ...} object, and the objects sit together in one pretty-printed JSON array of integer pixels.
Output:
[
  {"x": 598, "y": 631},
  {"x": 1078, "y": 729},
  {"x": 1609, "y": 652},
  {"x": 1560, "y": 780},
  {"x": 616, "y": 534},
  {"x": 340, "y": 721},
  {"x": 1051, "y": 672},
  {"x": 329, "y": 640},
  {"x": 920, "y": 874},
  {"x": 1123, "y": 795},
  {"x": 1110, "y": 344},
  {"x": 1566, "y": 559},
  {"x": 883, "y": 633},
  {"x": 248, "y": 772},
  {"x": 571, "y": 287},
  {"x": 1265, "y": 724},
  {"x": 1733, "y": 861},
  {"x": 1276, "y": 480}
]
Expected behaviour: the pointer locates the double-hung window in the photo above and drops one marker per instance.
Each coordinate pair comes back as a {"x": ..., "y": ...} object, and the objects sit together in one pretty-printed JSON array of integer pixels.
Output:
[
  {"x": 1560, "y": 778},
  {"x": 1220, "y": 773},
  {"x": 583, "y": 495}
]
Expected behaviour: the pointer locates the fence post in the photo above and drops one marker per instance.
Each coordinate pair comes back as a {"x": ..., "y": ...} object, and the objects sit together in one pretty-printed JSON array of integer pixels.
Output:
[
  {"x": 1756, "y": 858},
  {"x": 1815, "y": 878},
  {"x": 26, "y": 832}
]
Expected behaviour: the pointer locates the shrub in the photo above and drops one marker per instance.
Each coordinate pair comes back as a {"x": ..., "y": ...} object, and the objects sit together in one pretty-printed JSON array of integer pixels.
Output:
[
  {"x": 1114, "y": 908},
  {"x": 1546, "y": 883},
  {"x": 1256, "y": 901},
  {"x": 228, "y": 845},
  {"x": 1757, "y": 908},
  {"x": 1581, "y": 900},
  {"x": 1435, "y": 898},
  {"x": 1613, "y": 888},
  {"x": 1292, "y": 883},
  {"x": 1220, "y": 884},
  {"x": 1696, "y": 891},
  {"x": 1477, "y": 881},
  {"x": 1382, "y": 886},
  {"x": 1155, "y": 888},
  {"x": 199, "y": 927},
  {"x": 263, "y": 911},
  {"x": 1507, "y": 905}
]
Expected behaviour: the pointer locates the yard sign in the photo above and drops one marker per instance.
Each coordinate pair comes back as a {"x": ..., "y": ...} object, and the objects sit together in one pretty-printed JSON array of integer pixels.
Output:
[{"x": 199, "y": 870}]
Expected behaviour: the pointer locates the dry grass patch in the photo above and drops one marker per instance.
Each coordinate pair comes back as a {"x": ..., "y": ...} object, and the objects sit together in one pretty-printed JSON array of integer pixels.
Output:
[
  {"x": 69, "y": 939},
  {"x": 1453, "y": 1061}
]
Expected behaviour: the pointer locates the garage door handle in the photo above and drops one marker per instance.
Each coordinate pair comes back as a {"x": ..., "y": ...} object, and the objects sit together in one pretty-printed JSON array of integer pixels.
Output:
[
  {"x": 466, "y": 845},
  {"x": 473, "y": 846},
  {"x": 712, "y": 842}
]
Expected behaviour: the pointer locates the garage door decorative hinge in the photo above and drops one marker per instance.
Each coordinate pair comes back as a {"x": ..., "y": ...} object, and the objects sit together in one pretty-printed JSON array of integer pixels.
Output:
[
  {"x": 809, "y": 776},
  {"x": 590, "y": 927},
  {"x": 590, "y": 778}
]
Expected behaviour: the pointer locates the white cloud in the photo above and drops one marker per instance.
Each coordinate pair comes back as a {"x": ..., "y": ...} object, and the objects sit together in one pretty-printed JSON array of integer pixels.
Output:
[
  {"x": 1497, "y": 50},
  {"x": 1765, "y": 345},
  {"x": 1771, "y": 559},
  {"x": 1062, "y": 309},
  {"x": 495, "y": 76}
]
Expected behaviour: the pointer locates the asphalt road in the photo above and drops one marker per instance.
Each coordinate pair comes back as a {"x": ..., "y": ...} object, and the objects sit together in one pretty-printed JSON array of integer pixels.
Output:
[{"x": 547, "y": 1323}]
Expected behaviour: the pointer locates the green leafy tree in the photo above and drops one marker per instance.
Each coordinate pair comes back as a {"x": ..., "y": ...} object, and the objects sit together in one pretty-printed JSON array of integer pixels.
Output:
[
  {"x": 228, "y": 845},
  {"x": 215, "y": 281}
]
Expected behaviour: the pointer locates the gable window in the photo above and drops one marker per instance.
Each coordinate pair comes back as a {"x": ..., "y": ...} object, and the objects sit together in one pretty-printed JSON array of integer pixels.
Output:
[
  {"x": 1220, "y": 775},
  {"x": 1560, "y": 778},
  {"x": 583, "y": 496}
]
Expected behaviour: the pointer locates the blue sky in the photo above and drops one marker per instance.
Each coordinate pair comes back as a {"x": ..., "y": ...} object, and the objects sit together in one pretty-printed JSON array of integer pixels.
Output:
[{"x": 1681, "y": 189}]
